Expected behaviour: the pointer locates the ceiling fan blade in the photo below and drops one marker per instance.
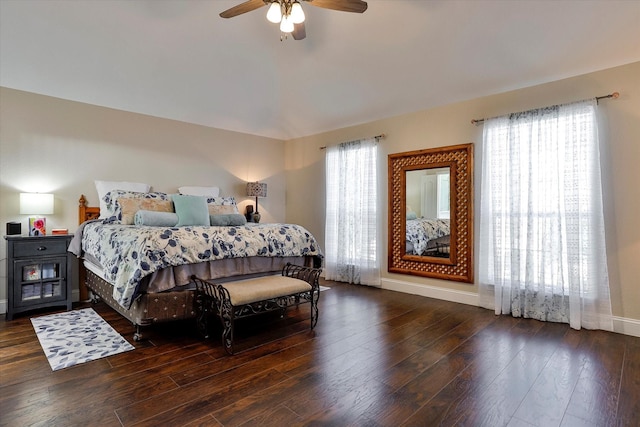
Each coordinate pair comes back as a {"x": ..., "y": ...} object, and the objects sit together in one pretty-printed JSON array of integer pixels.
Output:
[
  {"x": 245, "y": 7},
  {"x": 299, "y": 32},
  {"x": 357, "y": 6}
]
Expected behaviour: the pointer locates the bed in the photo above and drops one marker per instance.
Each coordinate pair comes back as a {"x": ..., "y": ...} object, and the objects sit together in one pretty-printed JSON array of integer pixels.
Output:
[
  {"x": 144, "y": 272},
  {"x": 428, "y": 237}
]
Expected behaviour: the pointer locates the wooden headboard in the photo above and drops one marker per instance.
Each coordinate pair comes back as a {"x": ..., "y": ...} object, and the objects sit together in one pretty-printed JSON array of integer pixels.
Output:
[{"x": 85, "y": 212}]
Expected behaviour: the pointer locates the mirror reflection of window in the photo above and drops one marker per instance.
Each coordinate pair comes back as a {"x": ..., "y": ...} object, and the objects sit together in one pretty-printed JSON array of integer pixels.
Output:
[
  {"x": 428, "y": 191},
  {"x": 444, "y": 201},
  {"x": 429, "y": 196}
]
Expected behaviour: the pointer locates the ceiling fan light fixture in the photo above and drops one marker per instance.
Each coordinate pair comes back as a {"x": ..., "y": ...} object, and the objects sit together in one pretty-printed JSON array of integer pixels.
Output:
[
  {"x": 297, "y": 14},
  {"x": 289, "y": 13},
  {"x": 274, "y": 14},
  {"x": 286, "y": 25}
]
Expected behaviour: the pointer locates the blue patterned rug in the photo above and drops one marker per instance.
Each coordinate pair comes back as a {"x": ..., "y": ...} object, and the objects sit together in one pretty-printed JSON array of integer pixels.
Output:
[{"x": 77, "y": 336}]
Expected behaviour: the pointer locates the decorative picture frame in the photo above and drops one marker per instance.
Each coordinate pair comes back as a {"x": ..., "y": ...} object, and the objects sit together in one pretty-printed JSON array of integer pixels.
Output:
[{"x": 37, "y": 226}]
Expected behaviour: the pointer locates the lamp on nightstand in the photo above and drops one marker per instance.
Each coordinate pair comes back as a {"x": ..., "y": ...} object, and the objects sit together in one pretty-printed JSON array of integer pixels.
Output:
[
  {"x": 256, "y": 189},
  {"x": 36, "y": 204}
]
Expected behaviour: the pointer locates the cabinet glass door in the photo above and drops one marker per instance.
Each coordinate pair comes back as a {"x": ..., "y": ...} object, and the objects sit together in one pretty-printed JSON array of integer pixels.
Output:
[{"x": 40, "y": 281}]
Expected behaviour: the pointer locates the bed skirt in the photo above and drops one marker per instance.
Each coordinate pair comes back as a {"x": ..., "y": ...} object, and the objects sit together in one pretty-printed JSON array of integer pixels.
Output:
[{"x": 147, "y": 308}]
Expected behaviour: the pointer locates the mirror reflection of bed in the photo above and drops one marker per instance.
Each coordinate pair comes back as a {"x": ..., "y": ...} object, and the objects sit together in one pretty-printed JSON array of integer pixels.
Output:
[{"x": 428, "y": 210}]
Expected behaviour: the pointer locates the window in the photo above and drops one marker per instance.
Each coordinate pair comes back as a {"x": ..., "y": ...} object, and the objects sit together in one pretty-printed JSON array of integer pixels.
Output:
[
  {"x": 351, "y": 241},
  {"x": 542, "y": 247}
]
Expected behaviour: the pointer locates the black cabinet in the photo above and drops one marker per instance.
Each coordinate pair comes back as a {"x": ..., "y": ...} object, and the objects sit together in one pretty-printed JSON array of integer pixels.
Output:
[{"x": 39, "y": 272}]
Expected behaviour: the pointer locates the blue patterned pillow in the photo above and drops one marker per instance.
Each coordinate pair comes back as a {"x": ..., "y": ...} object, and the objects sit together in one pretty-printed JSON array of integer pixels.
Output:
[
  {"x": 114, "y": 210},
  {"x": 222, "y": 205},
  {"x": 191, "y": 210}
]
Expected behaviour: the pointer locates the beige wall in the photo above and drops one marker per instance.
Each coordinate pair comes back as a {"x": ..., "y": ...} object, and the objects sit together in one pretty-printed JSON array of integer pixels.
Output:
[
  {"x": 448, "y": 125},
  {"x": 51, "y": 145}
]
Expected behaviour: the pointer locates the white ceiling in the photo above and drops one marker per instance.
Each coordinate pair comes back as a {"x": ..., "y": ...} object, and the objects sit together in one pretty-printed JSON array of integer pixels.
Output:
[{"x": 178, "y": 59}]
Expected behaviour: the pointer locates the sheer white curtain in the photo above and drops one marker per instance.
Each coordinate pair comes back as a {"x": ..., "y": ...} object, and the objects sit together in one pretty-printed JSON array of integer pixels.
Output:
[
  {"x": 542, "y": 243},
  {"x": 351, "y": 230}
]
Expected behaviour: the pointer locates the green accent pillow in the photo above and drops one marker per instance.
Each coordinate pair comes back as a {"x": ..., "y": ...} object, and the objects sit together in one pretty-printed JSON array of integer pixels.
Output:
[
  {"x": 191, "y": 210},
  {"x": 227, "y": 219}
]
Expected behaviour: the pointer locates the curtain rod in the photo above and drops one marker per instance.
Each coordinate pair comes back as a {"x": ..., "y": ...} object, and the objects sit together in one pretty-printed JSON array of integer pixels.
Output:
[
  {"x": 381, "y": 136},
  {"x": 613, "y": 95}
]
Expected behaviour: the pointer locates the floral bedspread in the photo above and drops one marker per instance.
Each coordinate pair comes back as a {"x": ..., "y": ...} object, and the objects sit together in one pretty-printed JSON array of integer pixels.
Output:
[
  {"x": 129, "y": 253},
  {"x": 420, "y": 231}
]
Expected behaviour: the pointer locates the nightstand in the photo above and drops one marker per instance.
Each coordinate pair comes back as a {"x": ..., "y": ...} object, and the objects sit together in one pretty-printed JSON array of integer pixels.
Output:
[{"x": 39, "y": 272}]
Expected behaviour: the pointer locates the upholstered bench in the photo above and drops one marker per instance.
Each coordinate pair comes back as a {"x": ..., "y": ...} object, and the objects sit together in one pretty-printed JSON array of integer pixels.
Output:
[{"x": 244, "y": 298}]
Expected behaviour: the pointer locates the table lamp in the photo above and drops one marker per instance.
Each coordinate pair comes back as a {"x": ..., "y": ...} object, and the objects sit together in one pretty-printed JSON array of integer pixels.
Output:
[{"x": 256, "y": 189}]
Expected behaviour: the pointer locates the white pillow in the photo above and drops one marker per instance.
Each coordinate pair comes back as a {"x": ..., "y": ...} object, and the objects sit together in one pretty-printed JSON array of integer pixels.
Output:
[
  {"x": 200, "y": 191},
  {"x": 103, "y": 187}
]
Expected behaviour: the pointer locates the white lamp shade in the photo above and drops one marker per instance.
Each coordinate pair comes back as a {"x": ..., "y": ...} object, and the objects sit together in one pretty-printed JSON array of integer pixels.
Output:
[
  {"x": 286, "y": 26},
  {"x": 274, "y": 14},
  {"x": 297, "y": 14},
  {"x": 36, "y": 203}
]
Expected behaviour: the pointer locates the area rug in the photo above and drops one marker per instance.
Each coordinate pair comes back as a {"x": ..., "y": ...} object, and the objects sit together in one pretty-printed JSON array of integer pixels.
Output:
[
  {"x": 324, "y": 288},
  {"x": 77, "y": 336}
]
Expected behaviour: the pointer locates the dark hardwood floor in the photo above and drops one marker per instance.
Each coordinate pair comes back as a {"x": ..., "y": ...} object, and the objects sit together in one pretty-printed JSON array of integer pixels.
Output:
[{"x": 376, "y": 358}]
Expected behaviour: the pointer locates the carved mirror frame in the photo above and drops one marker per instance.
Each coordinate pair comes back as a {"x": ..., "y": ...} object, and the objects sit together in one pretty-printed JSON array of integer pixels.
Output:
[{"x": 459, "y": 265}]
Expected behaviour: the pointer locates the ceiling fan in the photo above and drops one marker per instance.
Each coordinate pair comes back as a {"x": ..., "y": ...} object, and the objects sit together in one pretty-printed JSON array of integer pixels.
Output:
[{"x": 289, "y": 13}]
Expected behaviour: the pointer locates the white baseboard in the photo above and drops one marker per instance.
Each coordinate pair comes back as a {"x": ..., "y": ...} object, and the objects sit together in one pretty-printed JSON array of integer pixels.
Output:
[
  {"x": 3, "y": 306},
  {"x": 469, "y": 298},
  {"x": 623, "y": 325}
]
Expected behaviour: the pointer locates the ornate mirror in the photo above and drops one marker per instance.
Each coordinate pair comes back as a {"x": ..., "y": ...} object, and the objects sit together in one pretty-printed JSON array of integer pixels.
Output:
[{"x": 431, "y": 213}]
